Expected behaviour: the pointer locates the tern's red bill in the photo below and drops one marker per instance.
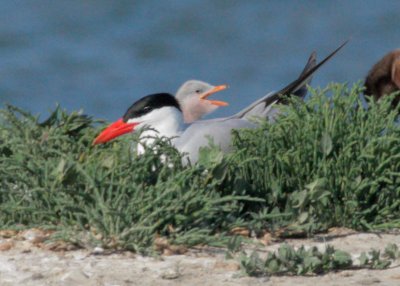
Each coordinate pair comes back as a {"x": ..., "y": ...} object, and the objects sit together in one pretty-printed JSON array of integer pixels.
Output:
[
  {"x": 114, "y": 130},
  {"x": 212, "y": 91}
]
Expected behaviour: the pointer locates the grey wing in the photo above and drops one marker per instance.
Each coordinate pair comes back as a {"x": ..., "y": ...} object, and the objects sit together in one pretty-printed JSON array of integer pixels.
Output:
[{"x": 199, "y": 134}]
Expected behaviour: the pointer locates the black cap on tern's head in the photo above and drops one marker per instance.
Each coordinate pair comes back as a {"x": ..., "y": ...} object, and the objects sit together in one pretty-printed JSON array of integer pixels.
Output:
[
  {"x": 149, "y": 103},
  {"x": 147, "y": 108}
]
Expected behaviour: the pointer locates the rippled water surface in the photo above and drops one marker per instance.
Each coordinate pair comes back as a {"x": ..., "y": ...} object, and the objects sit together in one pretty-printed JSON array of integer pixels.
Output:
[{"x": 102, "y": 55}]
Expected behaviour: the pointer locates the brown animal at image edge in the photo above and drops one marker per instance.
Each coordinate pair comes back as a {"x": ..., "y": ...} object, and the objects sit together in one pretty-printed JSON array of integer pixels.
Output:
[{"x": 384, "y": 77}]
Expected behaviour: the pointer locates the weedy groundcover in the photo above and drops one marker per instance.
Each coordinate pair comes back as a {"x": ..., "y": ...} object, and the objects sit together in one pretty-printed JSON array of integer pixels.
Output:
[{"x": 325, "y": 162}]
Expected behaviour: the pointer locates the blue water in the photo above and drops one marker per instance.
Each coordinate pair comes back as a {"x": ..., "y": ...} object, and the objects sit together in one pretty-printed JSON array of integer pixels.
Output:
[{"x": 101, "y": 55}]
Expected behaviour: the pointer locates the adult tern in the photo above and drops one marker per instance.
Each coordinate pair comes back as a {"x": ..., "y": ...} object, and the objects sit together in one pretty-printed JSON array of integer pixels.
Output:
[{"x": 163, "y": 114}]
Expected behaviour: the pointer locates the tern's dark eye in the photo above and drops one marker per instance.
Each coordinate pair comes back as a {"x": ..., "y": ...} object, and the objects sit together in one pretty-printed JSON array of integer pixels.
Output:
[
  {"x": 146, "y": 108},
  {"x": 198, "y": 91}
]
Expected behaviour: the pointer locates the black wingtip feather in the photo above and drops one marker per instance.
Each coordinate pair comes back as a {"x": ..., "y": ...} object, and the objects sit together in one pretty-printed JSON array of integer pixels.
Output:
[{"x": 298, "y": 83}]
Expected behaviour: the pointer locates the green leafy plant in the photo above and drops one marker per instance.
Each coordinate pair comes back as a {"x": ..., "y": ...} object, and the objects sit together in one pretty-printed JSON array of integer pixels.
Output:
[
  {"x": 302, "y": 261},
  {"x": 375, "y": 260},
  {"x": 326, "y": 162}
]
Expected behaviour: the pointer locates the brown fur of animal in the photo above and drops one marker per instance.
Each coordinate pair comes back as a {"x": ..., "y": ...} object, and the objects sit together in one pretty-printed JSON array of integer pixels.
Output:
[{"x": 384, "y": 77}]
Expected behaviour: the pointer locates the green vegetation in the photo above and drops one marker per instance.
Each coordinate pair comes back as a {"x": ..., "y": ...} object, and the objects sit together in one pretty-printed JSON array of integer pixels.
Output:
[
  {"x": 326, "y": 162},
  {"x": 288, "y": 261}
]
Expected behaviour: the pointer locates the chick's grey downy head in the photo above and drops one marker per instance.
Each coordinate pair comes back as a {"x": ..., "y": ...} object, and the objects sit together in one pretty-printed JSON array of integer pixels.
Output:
[{"x": 193, "y": 98}]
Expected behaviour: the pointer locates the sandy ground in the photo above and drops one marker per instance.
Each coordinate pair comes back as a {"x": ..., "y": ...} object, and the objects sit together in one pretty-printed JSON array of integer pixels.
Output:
[{"x": 22, "y": 263}]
